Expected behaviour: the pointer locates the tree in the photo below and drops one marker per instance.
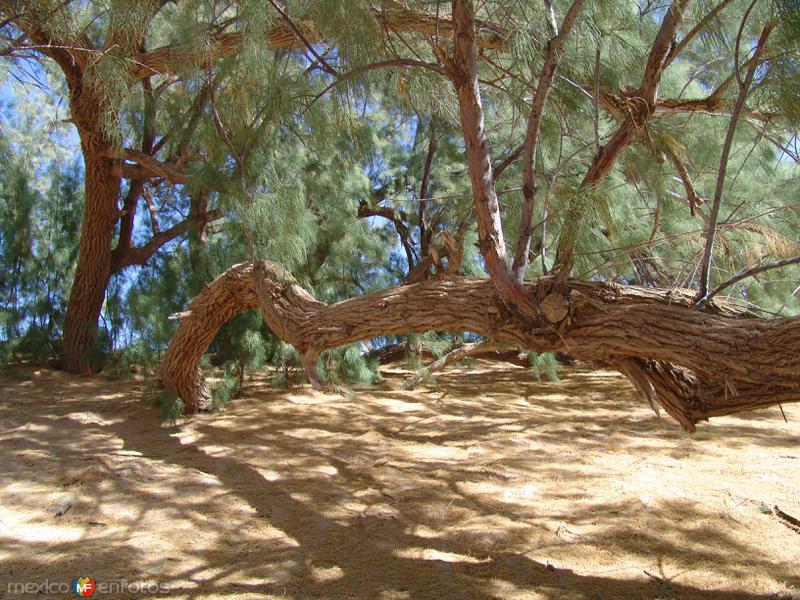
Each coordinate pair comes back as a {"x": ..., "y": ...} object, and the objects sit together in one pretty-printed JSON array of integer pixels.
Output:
[
  {"x": 604, "y": 114},
  {"x": 103, "y": 54},
  {"x": 95, "y": 60},
  {"x": 40, "y": 193}
]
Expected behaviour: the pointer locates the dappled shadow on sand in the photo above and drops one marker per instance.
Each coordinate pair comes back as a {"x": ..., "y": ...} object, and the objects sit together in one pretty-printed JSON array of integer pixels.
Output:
[{"x": 489, "y": 485}]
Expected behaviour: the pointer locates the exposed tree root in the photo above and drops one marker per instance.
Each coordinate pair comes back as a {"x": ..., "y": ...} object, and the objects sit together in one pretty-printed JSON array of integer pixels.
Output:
[{"x": 695, "y": 364}]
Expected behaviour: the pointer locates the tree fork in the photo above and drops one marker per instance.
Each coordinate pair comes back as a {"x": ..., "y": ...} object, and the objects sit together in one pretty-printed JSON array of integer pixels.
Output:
[{"x": 705, "y": 363}]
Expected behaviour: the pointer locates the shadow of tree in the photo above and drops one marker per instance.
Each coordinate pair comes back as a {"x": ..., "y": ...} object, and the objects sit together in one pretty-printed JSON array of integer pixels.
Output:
[{"x": 492, "y": 485}]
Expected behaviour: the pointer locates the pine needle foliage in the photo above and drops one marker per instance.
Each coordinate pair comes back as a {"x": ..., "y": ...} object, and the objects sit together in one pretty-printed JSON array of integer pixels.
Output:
[{"x": 289, "y": 143}]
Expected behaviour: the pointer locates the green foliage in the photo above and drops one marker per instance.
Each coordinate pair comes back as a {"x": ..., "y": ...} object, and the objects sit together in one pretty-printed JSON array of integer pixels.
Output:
[
  {"x": 288, "y": 152},
  {"x": 38, "y": 245},
  {"x": 288, "y": 368},
  {"x": 545, "y": 362},
  {"x": 169, "y": 405},
  {"x": 229, "y": 386},
  {"x": 240, "y": 347},
  {"x": 345, "y": 366},
  {"x": 435, "y": 343}
]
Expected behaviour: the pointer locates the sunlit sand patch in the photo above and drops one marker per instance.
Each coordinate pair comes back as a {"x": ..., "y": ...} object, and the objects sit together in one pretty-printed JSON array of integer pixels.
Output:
[
  {"x": 309, "y": 396},
  {"x": 325, "y": 574},
  {"x": 91, "y": 418},
  {"x": 431, "y": 554},
  {"x": 553, "y": 489},
  {"x": 400, "y": 405},
  {"x": 35, "y": 530},
  {"x": 512, "y": 492},
  {"x": 429, "y": 452},
  {"x": 306, "y": 433},
  {"x": 269, "y": 474}
]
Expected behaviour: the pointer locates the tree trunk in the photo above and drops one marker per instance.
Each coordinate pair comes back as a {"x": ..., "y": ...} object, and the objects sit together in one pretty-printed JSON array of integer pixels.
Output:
[
  {"x": 695, "y": 364},
  {"x": 231, "y": 293},
  {"x": 94, "y": 256}
]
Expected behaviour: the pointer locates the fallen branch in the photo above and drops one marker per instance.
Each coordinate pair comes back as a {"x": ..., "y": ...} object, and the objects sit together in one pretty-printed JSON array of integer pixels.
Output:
[
  {"x": 460, "y": 353},
  {"x": 787, "y": 519}
]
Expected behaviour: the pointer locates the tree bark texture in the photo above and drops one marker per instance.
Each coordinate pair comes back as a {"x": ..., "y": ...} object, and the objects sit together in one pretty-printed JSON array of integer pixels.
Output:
[
  {"x": 695, "y": 364},
  {"x": 101, "y": 191},
  {"x": 76, "y": 56},
  {"x": 463, "y": 72}
]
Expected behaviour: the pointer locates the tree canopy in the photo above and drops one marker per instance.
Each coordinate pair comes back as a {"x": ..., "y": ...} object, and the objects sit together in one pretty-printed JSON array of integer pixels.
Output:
[{"x": 616, "y": 180}]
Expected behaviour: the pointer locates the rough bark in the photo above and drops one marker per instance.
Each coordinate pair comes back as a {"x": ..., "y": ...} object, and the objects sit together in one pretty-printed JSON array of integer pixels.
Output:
[
  {"x": 231, "y": 293},
  {"x": 101, "y": 190},
  {"x": 75, "y": 53},
  {"x": 699, "y": 363},
  {"x": 463, "y": 72}
]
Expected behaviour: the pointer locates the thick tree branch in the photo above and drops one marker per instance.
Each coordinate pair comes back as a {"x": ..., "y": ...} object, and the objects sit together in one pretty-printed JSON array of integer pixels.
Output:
[
  {"x": 464, "y": 75},
  {"x": 658, "y": 60},
  {"x": 695, "y": 364}
]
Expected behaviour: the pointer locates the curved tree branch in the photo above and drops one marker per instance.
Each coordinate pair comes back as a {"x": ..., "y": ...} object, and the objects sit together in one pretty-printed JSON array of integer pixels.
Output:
[{"x": 699, "y": 363}]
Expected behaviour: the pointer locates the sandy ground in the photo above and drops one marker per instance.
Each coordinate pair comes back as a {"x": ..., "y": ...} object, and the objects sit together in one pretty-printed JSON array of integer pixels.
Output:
[{"x": 489, "y": 485}]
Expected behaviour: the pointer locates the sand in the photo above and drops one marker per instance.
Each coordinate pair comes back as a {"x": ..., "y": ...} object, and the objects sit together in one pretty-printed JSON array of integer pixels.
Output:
[{"x": 489, "y": 484}]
